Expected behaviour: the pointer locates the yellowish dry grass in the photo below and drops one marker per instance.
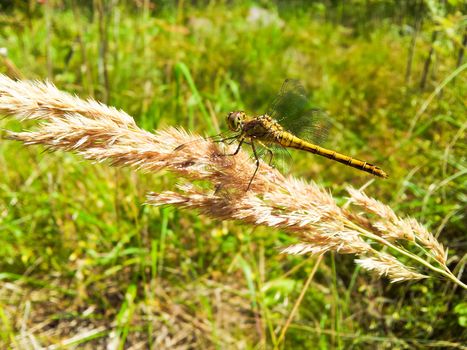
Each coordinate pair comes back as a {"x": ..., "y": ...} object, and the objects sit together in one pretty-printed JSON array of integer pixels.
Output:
[{"x": 303, "y": 209}]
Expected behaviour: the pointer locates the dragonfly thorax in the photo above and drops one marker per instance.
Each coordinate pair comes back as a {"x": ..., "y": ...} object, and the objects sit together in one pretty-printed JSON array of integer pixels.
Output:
[{"x": 235, "y": 120}]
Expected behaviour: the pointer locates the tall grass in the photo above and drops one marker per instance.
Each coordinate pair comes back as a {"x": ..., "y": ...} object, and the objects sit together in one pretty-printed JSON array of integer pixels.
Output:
[
  {"x": 80, "y": 252},
  {"x": 101, "y": 133}
]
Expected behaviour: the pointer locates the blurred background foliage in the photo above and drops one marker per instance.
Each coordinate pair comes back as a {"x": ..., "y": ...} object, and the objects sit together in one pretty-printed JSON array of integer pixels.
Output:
[{"x": 84, "y": 262}]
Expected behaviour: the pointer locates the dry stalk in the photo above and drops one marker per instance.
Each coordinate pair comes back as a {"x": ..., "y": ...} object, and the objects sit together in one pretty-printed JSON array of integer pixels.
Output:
[{"x": 303, "y": 209}]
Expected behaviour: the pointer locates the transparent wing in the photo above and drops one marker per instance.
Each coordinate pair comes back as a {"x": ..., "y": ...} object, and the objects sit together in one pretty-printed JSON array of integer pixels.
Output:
[
  {"x": 281, "y": 157},
  {"x": 315, "y": 125},
  {"x": 292, "y": 109}
]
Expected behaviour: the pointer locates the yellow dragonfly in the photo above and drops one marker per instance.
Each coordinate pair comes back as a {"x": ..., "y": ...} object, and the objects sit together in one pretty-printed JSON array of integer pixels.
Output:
[{"x": 290, "y": 123}]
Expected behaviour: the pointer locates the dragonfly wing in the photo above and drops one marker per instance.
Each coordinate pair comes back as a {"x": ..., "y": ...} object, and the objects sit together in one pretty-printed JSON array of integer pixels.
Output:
[
  {"x": 315, "y": 125},
  {"x": 281, "y": 157},
  {"x": 290, "y": 101},
  {"x": 292, "y": 109}
]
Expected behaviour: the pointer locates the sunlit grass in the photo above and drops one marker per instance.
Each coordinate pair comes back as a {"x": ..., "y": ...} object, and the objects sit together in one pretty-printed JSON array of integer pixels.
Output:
[{"x": 77, "y": 240}]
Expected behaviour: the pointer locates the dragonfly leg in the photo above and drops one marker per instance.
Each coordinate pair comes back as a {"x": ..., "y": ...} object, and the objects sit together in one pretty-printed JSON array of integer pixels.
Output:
[
  {"x": 238, "y": 148},
  {"x": 271, "y": 155},
  {"x": 257, "y": 164},
  {"x": 268, "y": 150},
  {"x": 231, "y": 139}
]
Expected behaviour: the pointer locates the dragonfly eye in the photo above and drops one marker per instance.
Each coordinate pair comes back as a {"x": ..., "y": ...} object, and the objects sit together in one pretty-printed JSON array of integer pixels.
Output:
[{"x": 235, "y": 120}]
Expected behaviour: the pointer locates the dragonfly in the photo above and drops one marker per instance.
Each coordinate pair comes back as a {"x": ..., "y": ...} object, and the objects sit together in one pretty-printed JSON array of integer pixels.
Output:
[{"x": 290, "y": 123}]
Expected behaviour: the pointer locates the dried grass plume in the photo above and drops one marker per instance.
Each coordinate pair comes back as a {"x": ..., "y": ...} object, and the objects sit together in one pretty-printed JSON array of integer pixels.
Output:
[{"x": 302, "y": 209}]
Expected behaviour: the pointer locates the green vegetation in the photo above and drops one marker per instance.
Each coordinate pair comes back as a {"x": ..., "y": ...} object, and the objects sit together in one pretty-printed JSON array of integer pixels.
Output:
[{"x": 84, "y": 261}]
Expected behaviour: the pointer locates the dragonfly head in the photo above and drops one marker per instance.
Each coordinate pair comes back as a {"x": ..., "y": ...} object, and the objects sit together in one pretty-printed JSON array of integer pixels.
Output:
[{"x": 235, "y": 120}]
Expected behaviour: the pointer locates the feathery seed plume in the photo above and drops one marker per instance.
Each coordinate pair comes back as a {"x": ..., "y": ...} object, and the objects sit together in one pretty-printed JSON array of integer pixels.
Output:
[{"x": 302, "y": 209}]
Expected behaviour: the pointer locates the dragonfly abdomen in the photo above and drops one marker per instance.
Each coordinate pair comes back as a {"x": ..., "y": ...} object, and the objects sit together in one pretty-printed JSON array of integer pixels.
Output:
[{"x": 288, "y": 140}]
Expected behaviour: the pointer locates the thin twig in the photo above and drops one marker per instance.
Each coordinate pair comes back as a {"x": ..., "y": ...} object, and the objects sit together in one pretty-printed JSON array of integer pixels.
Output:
[{"x": 298, "y": 302}]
